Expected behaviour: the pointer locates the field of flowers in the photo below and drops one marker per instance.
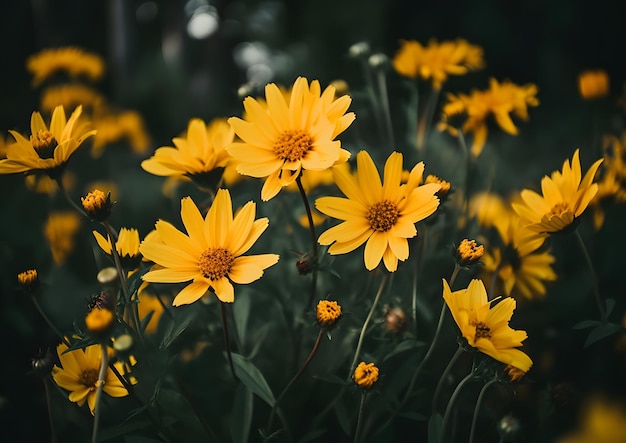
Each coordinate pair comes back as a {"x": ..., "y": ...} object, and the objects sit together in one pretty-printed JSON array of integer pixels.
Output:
[{"x": 221, "y": 224}]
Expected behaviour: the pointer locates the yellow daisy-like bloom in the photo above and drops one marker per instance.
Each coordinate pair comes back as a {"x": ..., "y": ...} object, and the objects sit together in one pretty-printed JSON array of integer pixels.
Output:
[
  {"x": 381, "y": 214},
  {"x": 437, "y": 60},
  {"x": 211, "y": 253},
  {"x": 486, "y": 328},
  {"x": 565, "y": 197},
  {"x": 127, "y": 246},
  {"x": 48, "y": 149},
  {"x": 70, "y": 96},
  {"x": 74, "y": 61},
  {"x": 198, "y": 153},
  {"x": 60, "y": 230},
  {"x": 593, "y": 84},
  {"x": 79, "y": 375},
  {"x": 281, "y": 138},
  {"x": 365, "y": 375},
  {"x": 327, "y": 313},
  {"x": 500, "y": 100},
  {"x": 119, "y": 126}
]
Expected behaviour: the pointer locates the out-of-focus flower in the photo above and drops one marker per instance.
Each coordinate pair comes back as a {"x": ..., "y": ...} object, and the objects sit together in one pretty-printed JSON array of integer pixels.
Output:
[
  {"x": 211, "y": 253},
  {"x": 60, "y": 230},
  {"x": 615, "y": 154},
  {"x": 280, "y": 138},
  {"x": 71, "y": 60},
  {"x": 127, "y": 246},
  {"x": 365, "y": 375},
  {"x": 69, "y": 96},
  {"x": 99, "y": 320},
  {"x": 200, "y": 154},
  {"x": 79, "y": 375},
  {"x": 593, "y": 84},
  {"x": 486, "y": 328},
  {"x": 500, "y": 101},
  {"x": 437, "y": 60},
  {"x": 116, "y": 126},
  {"x": 149, "y": 303},
  {"x": 443, "y": 192},
  {"x": 28, "y": 281},
  {"x": 327, "y": 313},
  {"x": 395, "y": 320},
  {"x": 565, "y": 197},
  {"x": 382, "y": 215},
  {"x": 603, "y": 421},
  {"x": 48, "y": 149},
  {"x": 43, "y": 184}
]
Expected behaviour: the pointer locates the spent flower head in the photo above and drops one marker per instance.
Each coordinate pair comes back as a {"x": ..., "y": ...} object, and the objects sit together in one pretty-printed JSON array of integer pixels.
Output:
[{"x": 365, "y": 375}]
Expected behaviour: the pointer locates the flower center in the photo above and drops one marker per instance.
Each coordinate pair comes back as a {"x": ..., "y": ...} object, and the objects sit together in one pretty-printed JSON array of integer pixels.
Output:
[
  {"x": 382, "y": 215},
  {"x": 89, "y": 378},
  {"x": 482, "y": 330},
  {"x": 44, "y": 143},
  {"x": 215, "y": 263},
  {"x": 559, "y": 209},
  {"x": 292, "y": 145}
]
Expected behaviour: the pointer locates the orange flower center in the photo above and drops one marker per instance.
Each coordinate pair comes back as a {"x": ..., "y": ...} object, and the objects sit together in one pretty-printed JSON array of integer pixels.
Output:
[
  {"x": 559, "y": 209},
  {"x": 215, "y": 263},
  {"x": 89, "y": 378},
  {"x": 482, "y": 330},
  {"x": 292, "y": 145},
  {"x": 44, "y": 143},
  {"x": 382, "y": 215}
]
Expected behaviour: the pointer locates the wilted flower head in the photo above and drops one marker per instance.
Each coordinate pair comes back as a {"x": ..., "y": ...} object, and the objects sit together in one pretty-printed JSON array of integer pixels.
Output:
[
  {"x": 365, "y": 375},
  {"x": 395, "y": 320}
]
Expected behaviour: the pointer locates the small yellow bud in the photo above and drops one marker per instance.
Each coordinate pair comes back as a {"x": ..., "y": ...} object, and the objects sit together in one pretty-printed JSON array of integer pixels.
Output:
[
  {"x": 28, "y": 280},
  {"x": 327, "y": 313},
  {"x": 97, "y": 205},
  {"x": 365, "y": 375},
  {"x": 468, "y": 252},
  {"x": 99, "y": 320},
  {"x": 445, "y": 185},
  {"x": 593, "y": 84}
]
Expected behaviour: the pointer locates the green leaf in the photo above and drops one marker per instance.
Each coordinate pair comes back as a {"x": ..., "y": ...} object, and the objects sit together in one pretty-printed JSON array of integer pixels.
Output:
[
  {"x": 184, "y": 315},
  {"x": 250, "y": 376},
  {"x": 602, "y": 331},
  {"x": 413, "y": 416},
  {"x": 585, "y": 324},
  {"x": 313, "y": 435},
  {"x": 241, "y": 312},
  {"x": 332, "y": 378},
  {"x": 608, "y": 307},
  {"x": 434, "y": 428},
  {"x": 241, "y": 417},
  {"x": 403, "y": 346},
  {"x": 343, "y": 418},
  {"x": 135, "y": 281},
  {"x": 81, "y": 343}
]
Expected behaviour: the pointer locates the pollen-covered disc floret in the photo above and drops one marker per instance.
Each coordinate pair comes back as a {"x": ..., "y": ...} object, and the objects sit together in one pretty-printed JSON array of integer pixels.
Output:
[
  {"x": 97, "y": 205},
  {"x": 327, "y": 313},
  {"x": 468, "y": 252}
]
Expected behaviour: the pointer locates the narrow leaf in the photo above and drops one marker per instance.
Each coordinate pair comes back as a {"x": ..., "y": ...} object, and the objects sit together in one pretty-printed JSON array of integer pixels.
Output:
[
  {"x": 250, "y": 376},
  {"x": 241, "y": 417}
]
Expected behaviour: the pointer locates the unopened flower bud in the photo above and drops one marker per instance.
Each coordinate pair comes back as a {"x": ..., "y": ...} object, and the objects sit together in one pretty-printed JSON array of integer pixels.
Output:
[
  {"x": 327, "y": 313},
  {"x": 442, "y": 193},
  {"x": 359, "y": 49},
  {"x": 99, "y": 320},
  {"x": 468, "y": 252},
  {"x": 43, "y": 363},
  {"x": 508, "y": 427},
  {"x": 378, "y": 60},
  {"x": 28, "y": 281},
  {"x": 365, "y": 375},
  {"x": 395, "y": 320},
  {"x": 97, "y": 205}
]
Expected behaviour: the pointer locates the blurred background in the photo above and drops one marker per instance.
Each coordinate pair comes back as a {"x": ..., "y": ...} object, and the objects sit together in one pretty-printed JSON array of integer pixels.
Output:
[{"x": 174, "y": 60}]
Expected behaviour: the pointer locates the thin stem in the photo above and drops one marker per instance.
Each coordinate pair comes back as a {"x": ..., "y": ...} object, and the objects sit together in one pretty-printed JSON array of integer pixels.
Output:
[
  {"x": 59, "y": 181},
  {"x": 455, "y": 394},
  {"x": 357, "y": 431},
  {"x": 494, "y": 279},
  {"x": 412, "y": 113},
  {"x": 446, "y": 371},
  {"x": 384, "y": 99},
  {"x": 227, "y": 341},
  {"x": 596, "y": 289},
  {"x": 46, "y": 385},
  {"x": 371, "y": 90},
  {"x": 425, "y": 121},
  {"x": 101, "y": 378},
  {"x": 418, "y": 270},
  {"x": 479, "y": 401},
  {"x": 468, "y": 164},
  {"x": 367, "y": 320},
  {"x": 309, "y": 216},
  {"x": 134, "y": 314},
  {"x": 308, "y": 360},
  {"x": 49, "y": 322}
]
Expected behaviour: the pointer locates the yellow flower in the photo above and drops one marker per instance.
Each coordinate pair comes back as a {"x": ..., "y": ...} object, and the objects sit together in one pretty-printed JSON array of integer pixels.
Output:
[
  {"x": 99, "y": 320},
  {"x": 593, "y": 84},
  {"x": 468, "y": 252},
  {"x": 48, "y": 149},
  {"x": 79, "y": 375},
  {"x": 97, "y": 204},
  {"x": 500, "y": 100},
  {"x": 70, "y": 96},
  {"x": 43, "y": 184},
  {"x": 490, "y": 210},
  {"x": 127, "y": 246},
  {"x": 28, "y": 280},
  {"x": 210, "y": 253},
  {"x": 437, "y": 60},
  {"x": 117, "y": 126},
  {"x": 197, "y": 154},
  {"x": 365, "y": 375},
  {"x": 443, "y": 192},
  {"x": 603, "y": 421},
  {"x": 60, "y": 230},
  {"x": 565, "y": 197},
  {"x": 327, "y": 313},
  {"x": 73, "y": 61},
  {"x": 615, "y": 154},
  {"x": 514, "y": 373},
  {"x": 381, "y": 214},
  {"x": 486, "y": 328},
  {"x": 280, "y": 138}
]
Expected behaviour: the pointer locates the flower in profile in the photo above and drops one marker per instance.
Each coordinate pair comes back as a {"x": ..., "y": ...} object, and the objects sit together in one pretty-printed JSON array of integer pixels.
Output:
[
  {"x": 514, "y": 374},
  {"x": 78, "y": 374},
  {"x": 602, "y": 421},
  {"x": 127, "y": 246},
  {"x": 97, "y": 205},
  {"x": 28, "y": 280},
  {"x": 73, "y": 61},
  {"x": 210, "y": 255},
  {"x": 70, "y": 96},
  {"x": 283, "y": 137},
  {"x": 565, "y": 197},
  {"x": 500, "y": 101},
  {"x": 486, "y": 328},
  {"x": 49, "y": 148},
  {"x": 593, "y": 84},
  {"x": 327, "y": 313},
  {"x": 365, "y": 375},
  {"x": 468, "y": 252},
  {"x": 437, "y": 60},
  {"x": 60, "y": 230},
  {"x": 115, "y": 126},
  {"x": 200, "y": 154},
  {"x": 382, "y": 215}
]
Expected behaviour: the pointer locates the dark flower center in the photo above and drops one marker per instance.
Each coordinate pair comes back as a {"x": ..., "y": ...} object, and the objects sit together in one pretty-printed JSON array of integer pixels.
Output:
[
  {"x": 382, "y": 215},
  {"x": 292, "y": 145},
  {"x": 215, "y": 263}
]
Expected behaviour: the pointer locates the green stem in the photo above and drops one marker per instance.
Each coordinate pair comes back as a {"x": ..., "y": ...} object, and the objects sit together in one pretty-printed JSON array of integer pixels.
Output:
[
  {"x": 468, "y": 163},
  {"x": 596, "y": 289},
  {"x": 46, "y": 385},
  {"x": 494, "y": 279},
  {"x": 49, "y": 322},
  {"x": 101, "y": 378},
  {"x": 308, "y": 360},
  {"x": 424, "y": 122},
  {"x": 455, "y": 394},
  {"x": 309, "y": 216},
  {"x": 479, "y": 401},
  {"x": 227, "y": 341},
  {"x": 367, "y": 320},
  {"x": 359, "y": 420},
  {"x": 446, "y": 371},
  {"x": 418, "y": 270},
  {"x": 412, "y": 113},
  {"x": 384, "y": 99},
  {"x": 59, "y": 181}
]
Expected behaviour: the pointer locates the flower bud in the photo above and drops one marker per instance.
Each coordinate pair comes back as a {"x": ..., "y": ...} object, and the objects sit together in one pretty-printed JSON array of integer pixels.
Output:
[
  {"x": 395, "y": 320},
  {"x": 365, "y": 375},
  {"x": 327, "y": 313},
  {"x": 468, "y": 252},
  {"x": 28, "y": 281},
  {"x": 97, "y": 205}
]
